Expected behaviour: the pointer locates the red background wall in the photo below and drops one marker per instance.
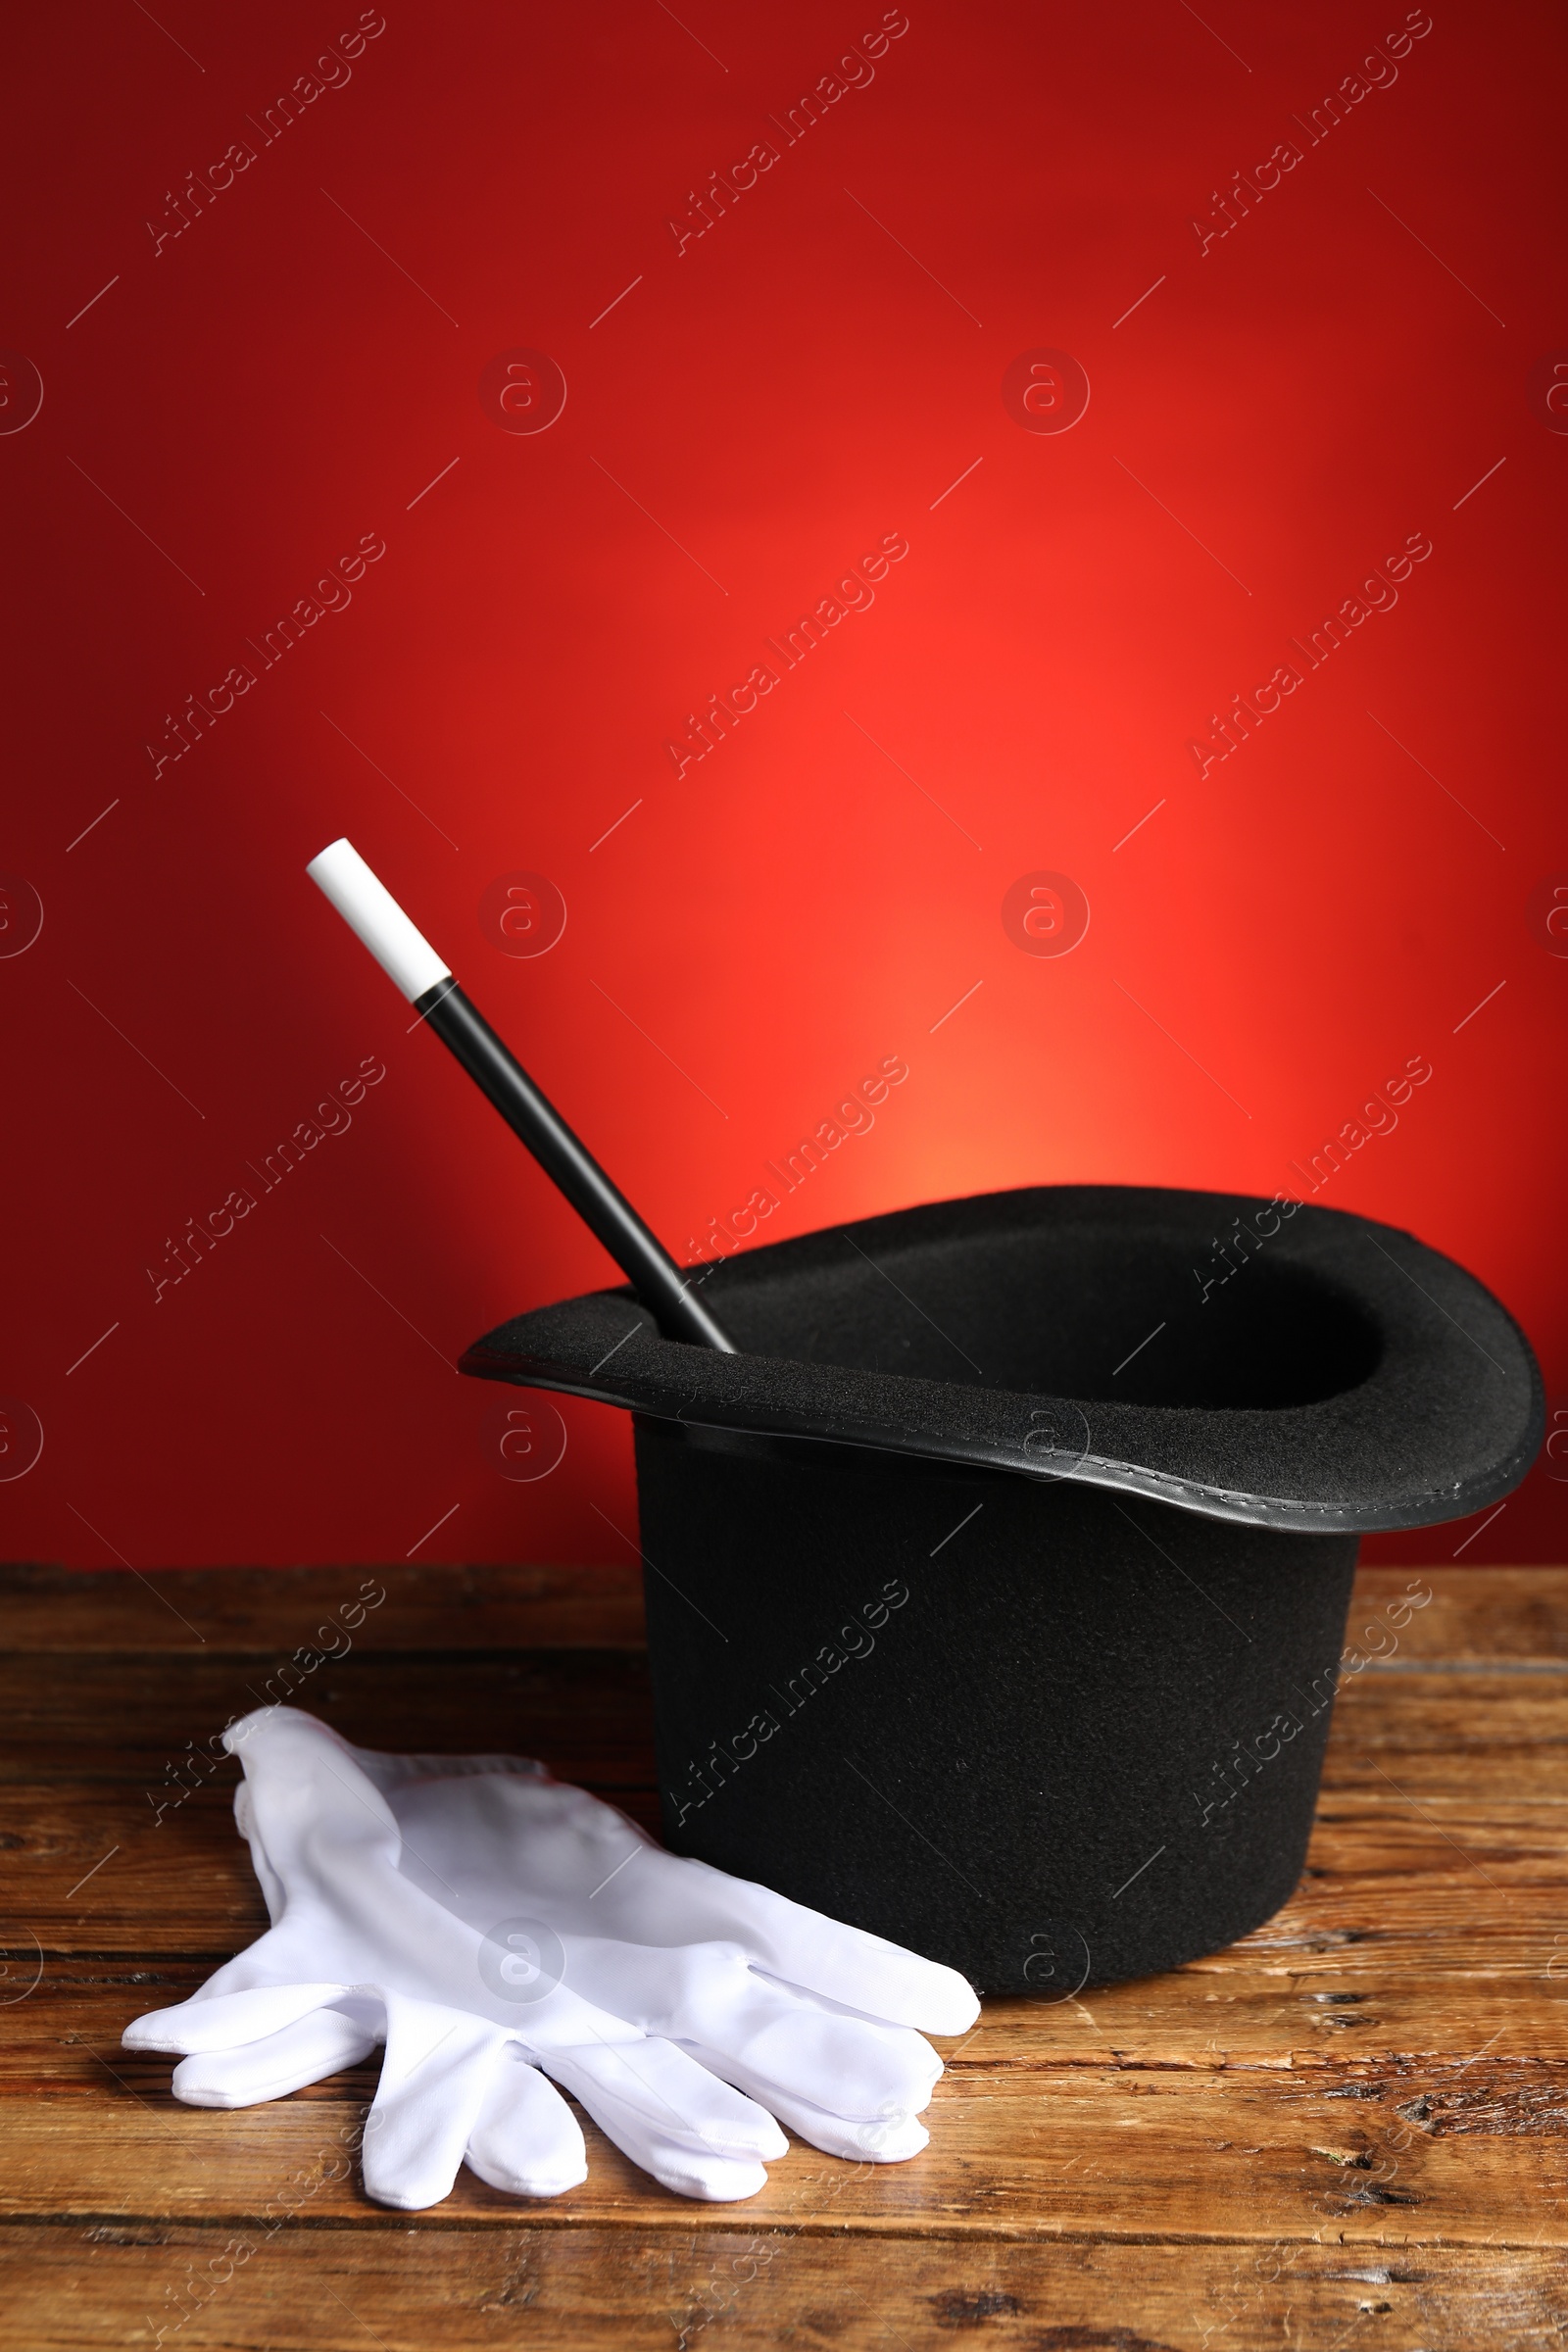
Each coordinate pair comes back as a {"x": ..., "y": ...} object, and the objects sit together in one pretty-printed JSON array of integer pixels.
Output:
[{"x": 1364, "y": 357}]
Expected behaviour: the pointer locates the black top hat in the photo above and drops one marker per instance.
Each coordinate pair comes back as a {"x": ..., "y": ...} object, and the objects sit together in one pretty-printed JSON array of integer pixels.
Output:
[
  {"x": 1095, "y": 1463},
  {"x": 1283, "y": 1365}
]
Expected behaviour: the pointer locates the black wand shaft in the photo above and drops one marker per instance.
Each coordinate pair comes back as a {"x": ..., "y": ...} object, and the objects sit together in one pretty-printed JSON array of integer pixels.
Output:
[{"x": 648, "y": 1266}]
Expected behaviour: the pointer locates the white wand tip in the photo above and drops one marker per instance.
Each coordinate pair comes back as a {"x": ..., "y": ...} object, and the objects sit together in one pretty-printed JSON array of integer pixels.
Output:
[{"x": 371, "y": 911}]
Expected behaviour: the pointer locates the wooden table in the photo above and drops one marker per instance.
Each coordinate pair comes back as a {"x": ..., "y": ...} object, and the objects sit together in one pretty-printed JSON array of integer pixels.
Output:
[{"x": 1348, "y": 2130}]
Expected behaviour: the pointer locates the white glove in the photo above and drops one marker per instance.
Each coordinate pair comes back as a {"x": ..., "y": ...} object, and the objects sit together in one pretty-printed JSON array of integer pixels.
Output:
[{"x": 476, "y": 1916}]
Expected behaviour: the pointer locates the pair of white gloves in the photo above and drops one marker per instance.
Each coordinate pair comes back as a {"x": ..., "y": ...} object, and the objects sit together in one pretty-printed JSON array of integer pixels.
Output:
[{"x": 492, "y": 1927}]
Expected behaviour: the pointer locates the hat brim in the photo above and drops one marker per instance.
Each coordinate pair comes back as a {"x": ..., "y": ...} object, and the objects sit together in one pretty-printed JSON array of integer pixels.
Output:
[{"x": 1291, "y": 1368}]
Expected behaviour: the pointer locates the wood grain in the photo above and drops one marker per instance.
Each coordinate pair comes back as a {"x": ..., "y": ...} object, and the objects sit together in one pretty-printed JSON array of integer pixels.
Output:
[
  {"x": 1349, "y": 2128},
  {"x": 1090, "y": 2152},
  {"x": 77, "y": 2287},
  {"x": 50, "y": 1611}
]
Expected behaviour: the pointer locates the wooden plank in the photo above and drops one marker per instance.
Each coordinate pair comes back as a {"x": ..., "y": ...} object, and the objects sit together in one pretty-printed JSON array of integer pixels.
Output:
[
  {"x": 1490, "y": 1613},
  {"x": 753, "y": 2288},
  {"x": 1427, "y": 1732},
  {"x": 1330, "y": 2020},
  {"x": 1519, "y": 1614},
  {"x": 1122, "y": 2152},
  {"x": 260, "y": 1611},
  {"x": 584, "y": 1712}
]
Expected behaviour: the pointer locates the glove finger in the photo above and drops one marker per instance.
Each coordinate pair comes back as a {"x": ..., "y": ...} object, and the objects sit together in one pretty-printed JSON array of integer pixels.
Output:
[
  {"x": 890, "y": 2137},
  {"x": 707, "y": 1995},
  {"x": 228, "y": 2018},
  {"x": 860, "y": 1971},
  {"x": 715, "y": 2179},
  {"x": 842, "y": 2064},
  {"x": 656, "y": 2088},
  {"x": 526, "y": 2141},
  {"x": 666, "y": 1898},
  {"x": 435, "y": 2077},
  {"x": 307, "y": 2051}
]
